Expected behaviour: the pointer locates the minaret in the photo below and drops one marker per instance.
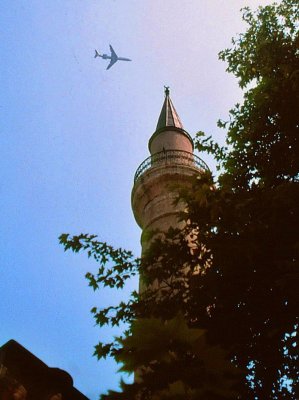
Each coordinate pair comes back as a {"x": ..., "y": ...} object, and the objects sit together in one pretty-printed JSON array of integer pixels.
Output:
[{"x": 171, "y": 164}]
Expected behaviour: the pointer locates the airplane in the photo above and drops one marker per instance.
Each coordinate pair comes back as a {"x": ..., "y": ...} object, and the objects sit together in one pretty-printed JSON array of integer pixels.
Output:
[{"x": 113, "y": 57}]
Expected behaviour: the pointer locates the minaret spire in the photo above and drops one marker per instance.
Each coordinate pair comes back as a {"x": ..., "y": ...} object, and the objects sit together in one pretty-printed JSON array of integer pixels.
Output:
[
  {"x": 168, "y": 116},
  {"x": 170, "y": 133}
]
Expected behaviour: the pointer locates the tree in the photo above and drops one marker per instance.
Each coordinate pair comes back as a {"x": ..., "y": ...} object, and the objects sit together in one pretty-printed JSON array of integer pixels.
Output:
[
  {"x": 231, "y": 288},
  {"x": 181, "y": 364},
  {"x": 250, "y": 221}
]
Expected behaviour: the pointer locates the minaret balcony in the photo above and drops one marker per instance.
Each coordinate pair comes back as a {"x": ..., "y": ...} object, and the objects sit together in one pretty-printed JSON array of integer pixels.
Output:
[{"x": 170, "y": 157}]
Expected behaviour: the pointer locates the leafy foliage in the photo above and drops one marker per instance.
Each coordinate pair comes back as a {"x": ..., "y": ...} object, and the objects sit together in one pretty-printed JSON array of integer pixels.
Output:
[
  {"x": 180, "y": 364},
  {"x": 218, "y": 316},
  {"x": 250, "y": 222},
  {"x": 264, "y": 130}
]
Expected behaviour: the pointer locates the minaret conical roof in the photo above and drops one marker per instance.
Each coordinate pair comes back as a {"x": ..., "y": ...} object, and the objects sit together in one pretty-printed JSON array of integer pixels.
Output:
[
  {"x": 169, "y": 121},
  {"x": 168, "y": 116}
]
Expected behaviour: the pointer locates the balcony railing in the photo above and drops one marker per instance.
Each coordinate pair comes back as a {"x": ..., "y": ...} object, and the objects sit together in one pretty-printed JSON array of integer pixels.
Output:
[{"x": 168, "y": 157}]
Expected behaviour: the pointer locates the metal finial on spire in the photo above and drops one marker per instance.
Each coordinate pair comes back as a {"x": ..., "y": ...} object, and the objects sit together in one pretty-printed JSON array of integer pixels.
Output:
[{"x": 166, "y": 91}]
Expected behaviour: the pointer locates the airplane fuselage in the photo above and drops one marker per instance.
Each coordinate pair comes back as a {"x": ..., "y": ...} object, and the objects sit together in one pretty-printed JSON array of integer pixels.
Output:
[
  {"x": 123, "y": 59},
  {"x": 106, "y": 57}
]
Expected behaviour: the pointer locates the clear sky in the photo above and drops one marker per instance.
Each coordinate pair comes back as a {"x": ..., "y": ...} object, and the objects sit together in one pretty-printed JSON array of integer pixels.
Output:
[{"x": 72, "y": 135}]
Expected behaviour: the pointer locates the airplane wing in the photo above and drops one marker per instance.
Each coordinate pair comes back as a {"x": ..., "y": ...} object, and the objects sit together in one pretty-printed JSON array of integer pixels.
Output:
[
  {"x": 114, "y": 57},
  {"x": 112, "y": 62},
  {"x": 113, "y": 54}
]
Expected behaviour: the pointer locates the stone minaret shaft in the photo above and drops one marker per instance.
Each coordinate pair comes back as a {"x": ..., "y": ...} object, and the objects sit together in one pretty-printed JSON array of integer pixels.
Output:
[{"x": 171, "y": 164}]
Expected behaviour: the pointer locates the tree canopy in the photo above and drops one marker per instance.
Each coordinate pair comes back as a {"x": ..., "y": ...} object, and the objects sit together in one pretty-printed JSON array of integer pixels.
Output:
[{"x": 226, "y": 306}]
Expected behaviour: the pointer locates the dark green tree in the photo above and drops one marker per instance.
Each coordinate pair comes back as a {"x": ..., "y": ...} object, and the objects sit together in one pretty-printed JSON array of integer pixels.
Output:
[
  {"x": 228, "y": 284},
  {"x": 172, "y": 357},
  {"x": 250, "y": 222}
]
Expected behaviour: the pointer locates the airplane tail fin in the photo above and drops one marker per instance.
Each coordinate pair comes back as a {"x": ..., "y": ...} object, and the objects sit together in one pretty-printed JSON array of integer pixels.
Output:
[{"x": 97, "y": 54}]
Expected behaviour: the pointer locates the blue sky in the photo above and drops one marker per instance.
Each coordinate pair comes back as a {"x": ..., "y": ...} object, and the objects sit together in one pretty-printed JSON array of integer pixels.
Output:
[{"x": 72, "y": 135}]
